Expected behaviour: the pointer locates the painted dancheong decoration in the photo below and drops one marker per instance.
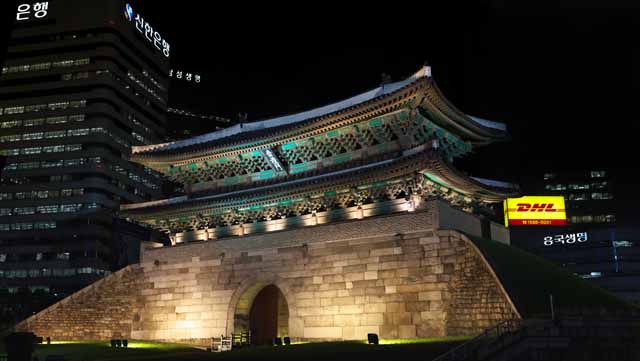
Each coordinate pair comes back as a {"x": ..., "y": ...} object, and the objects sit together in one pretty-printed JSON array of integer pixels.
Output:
[{"x": 379, "y": 152}]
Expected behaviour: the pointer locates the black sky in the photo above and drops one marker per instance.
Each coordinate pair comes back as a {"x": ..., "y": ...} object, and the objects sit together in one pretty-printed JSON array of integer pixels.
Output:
[{"x": 564, "y": 77}]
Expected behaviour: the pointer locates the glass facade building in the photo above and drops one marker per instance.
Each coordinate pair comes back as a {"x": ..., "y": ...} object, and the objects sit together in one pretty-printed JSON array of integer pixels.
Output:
[{"x": 78, "y": 89}]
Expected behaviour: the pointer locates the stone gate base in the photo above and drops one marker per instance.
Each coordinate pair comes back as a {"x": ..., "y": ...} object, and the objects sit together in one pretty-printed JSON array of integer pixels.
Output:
[{"x": 398, "y": 276}]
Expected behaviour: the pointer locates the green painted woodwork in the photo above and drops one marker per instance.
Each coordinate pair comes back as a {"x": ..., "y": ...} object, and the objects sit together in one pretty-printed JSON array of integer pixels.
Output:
[
  {"x": 375, "y": 136},
  {"x": 266, "y": 174},
  {"x": 232, "y": 180},
  {"x": 289, "y": 146},
  {"x": 302, "y": 167},
  {"x": 341, "y": 158},
  {"x": 375, "y": 122}
]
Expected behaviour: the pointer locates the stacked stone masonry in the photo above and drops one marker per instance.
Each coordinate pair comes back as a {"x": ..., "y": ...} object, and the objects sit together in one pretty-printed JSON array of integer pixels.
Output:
[{"x": 396, "y": 276}]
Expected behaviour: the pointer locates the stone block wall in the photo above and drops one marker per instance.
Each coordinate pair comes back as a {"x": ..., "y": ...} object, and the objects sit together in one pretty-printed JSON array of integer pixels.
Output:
[
  {"x": 100, "y": 311},
  {"x": 397, "y": 276}
]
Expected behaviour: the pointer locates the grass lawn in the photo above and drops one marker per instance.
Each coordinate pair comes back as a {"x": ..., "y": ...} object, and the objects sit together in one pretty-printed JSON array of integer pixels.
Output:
[
  {"x": 530, "y": 279},
  {"x": 419, "y": 349}
]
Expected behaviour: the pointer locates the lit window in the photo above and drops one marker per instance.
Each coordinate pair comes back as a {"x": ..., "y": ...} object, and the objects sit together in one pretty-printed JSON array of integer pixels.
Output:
[
  {"x": 55, "y": 134},
  {"x": 56, "y": 120},
  {"x": 33, "y": 122},
  {"x": 52, "y": 163},
  {"x": 601, "y": 196},
  {"x": 32, "y": 136},
  {"x": 54, "y": 149},
  {"x": 598, "y": 174},
  {"x": 47, "y": 210},
  {"x": 622, "y": 244},
  {"x": 74, "y": 162},
  {"x": 67, "y": 208},
  {"x": 24, "y": 210},
  {"x": 555, "y": 187},
  {"x": 599, "y": 185},
  {"x": 14, "y": 110},
  {"x": 578, "y": 186},
  {"x": 591, "y": 275},
  {"x": 45, "y": 225},
  {"x": 59, "y": 105},
  {"x": 34, "y": 150},
  {"x": 78, "y": 104},
  {"x": 35, "y": 108},
  {"x": 78, "y": 132},
  {"x": 10, "y": 123},
  {"x": 578, "y": 196},
  {"x": 63, "y": 256}
]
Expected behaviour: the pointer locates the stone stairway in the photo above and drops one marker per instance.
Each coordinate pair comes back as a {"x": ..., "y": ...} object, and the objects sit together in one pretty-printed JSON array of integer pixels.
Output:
[{"x": 565, "y": 339}]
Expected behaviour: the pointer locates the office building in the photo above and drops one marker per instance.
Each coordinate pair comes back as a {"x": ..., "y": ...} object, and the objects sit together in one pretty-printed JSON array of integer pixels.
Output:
[{"x": 78, "y": 89}]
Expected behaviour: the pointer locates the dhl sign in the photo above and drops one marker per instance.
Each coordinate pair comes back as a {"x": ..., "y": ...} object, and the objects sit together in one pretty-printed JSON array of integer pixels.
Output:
[{"x": 535, "y": 211}]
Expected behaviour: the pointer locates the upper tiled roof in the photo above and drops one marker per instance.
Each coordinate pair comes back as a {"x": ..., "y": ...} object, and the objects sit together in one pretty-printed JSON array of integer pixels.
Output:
[{"x": 257, "y": 128}]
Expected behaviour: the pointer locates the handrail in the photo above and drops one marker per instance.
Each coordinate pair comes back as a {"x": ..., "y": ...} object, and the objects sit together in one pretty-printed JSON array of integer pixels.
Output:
[{"x": 468, "y": 348}]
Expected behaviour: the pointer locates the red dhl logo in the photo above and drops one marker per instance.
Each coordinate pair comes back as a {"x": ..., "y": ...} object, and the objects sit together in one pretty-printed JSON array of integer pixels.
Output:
[{"x": 536, "y": 207}]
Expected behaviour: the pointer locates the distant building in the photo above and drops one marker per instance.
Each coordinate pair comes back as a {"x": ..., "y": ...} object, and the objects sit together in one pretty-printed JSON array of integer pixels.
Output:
[
  {"x": 594, "y": 245},
  {"x": 78, "y": 89},
  {"x": 588, "y": 195}
]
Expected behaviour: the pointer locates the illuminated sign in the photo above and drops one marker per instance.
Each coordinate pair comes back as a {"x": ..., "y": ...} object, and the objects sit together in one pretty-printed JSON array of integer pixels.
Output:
[
  {"x": 535, "y": 211},
  {"x": 570, "y": 238},
  {"x": 146, "y": 30},
  {"x": 39, "y": 10},
  {"x": 179, "y": 74}
]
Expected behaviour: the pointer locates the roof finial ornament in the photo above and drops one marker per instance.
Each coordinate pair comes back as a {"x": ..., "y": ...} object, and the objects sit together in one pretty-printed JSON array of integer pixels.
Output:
[
  {"x": 427, "y": 69},
  {"x": 386, "y": 79},
  {"x": 242, "y": 118}
]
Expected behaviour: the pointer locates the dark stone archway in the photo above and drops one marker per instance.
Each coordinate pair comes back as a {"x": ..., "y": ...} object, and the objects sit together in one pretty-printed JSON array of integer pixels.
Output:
[
  {"x": 268, "y": 313},
  {"x": 263, "y": 310}
]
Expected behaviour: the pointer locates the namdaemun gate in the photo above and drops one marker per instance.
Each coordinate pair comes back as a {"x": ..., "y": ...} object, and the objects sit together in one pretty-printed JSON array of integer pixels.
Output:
[{"x": 329, "y": 224}]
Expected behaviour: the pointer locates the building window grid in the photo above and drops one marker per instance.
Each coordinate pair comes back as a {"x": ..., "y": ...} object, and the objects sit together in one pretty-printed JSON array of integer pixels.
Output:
[
  {"x": 63, "y": 134},
  {"x": 49, "y": 106},
  {"x": 36, "y": 122},
  {"x": 51, "y": 272},
  {"x": 22, "y": 68}
]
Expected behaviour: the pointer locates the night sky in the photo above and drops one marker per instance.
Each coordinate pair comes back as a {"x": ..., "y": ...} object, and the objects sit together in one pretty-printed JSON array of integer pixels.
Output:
[{"x": 565, "y": 78}]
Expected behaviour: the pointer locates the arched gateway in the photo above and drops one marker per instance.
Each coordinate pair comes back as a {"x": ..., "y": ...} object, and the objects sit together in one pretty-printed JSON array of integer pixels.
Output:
[
  {"x": 322, "y": 225},
  {"x": 261, "y": 308}
]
